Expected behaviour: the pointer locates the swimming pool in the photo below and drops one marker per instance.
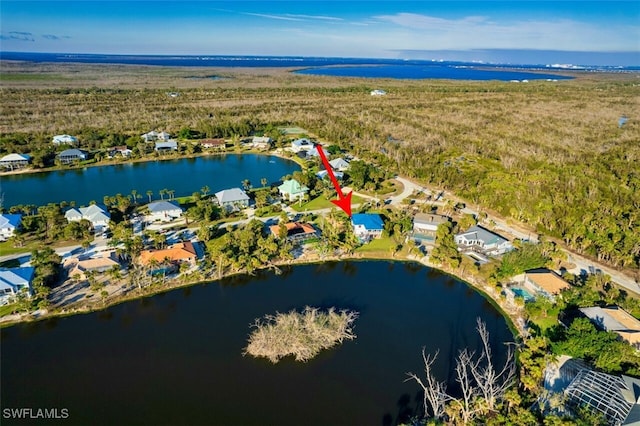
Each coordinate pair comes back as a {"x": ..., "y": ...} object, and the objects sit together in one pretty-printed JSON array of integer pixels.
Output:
[{"x": 521, "y": 292}]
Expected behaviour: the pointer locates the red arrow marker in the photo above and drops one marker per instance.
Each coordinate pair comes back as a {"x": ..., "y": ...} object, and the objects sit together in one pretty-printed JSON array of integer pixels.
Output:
[{"x": 344, "y": 201}]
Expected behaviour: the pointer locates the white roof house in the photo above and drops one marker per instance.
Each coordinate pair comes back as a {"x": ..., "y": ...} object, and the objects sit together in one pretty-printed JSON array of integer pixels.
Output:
[
  {"x": 15, "y": 161},
  {"x": 8, "y": 225},
  {"x": 164, "y": 211},
  {"x": 261, "y": 142},
  {"x": 169, "y": 145},
  {"x": 232, "y": 199},
  {"x": 483, "y": 240},
  {"x": 150, "y": 137},
  {"x": 301, "y": 145},
  {"x": 65, "y": 139},
  {"x": 164, "y": 136},
  {"x": 72, "y": 155},
  {"x": 339, "y": 164},
  {"x": 13, "y": 281},
  {"x": 98, "y": 215},
  {"x": 378, "y": 92}
]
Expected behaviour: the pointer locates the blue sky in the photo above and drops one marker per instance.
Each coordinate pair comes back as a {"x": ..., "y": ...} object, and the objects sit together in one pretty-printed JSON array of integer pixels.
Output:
[{"x": 380, "y": 29}]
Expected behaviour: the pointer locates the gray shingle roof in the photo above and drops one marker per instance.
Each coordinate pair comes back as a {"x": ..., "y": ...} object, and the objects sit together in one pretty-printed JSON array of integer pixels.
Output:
[{"x": 231, "y": 195}]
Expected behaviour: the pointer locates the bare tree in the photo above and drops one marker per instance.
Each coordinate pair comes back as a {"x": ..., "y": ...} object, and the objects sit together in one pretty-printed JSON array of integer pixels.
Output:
[
  {"x": 492, "y": 384},
  {"x": 481, "y": 385},
  {"x": 435, "y": 392}
]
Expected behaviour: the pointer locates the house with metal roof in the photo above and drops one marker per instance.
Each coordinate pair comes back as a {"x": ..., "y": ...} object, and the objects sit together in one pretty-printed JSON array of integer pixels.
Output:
[
  {"x": 482, "y": 240},
  {"x": 9, "y": 223},
  {"x": 616, "y": 320},
  {"x": 232, "y": 199},
  {"x": 15, "y": 161},
  {"x": 163, "y": 211},
  {"x": 303, "y": 144},
  {"x": 73, "y": 155},
  {"x": 168, "y": 145},
  {"x": 14, "y": 281},
  {"x": 367, "y": 226},
  {"x": 292, "y": 190},
  {"x": 98, "y": 215},
  {"x": 339, "y": 164},
  {"x": 425, "y": 226}
]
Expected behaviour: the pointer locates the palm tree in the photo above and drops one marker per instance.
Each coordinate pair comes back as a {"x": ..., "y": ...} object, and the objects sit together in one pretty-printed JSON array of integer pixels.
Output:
[
  {"x": 135, "y": 196},
  {"x": 263, "y": 182},
  {"x": 149, "y": 194},
  {"x": 246, "y": 184},
  {"x": 163, "y": 192},
  {"x": 171, "y": 192},
  {"x": 205, "y": 190}
]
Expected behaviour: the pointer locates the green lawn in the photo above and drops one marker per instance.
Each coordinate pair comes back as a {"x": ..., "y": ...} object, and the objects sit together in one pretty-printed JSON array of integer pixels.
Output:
[
  {"x": 380, "y": 247},
  {"x": 6, "y": 309},
  {"x": 7, "y": 248},
  {"x": 322, "y": 203}
]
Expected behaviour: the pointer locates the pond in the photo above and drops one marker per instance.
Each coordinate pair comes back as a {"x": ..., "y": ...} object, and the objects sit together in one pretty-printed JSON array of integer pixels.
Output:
[
  {"x": 176, "y": 358},
  {"x": 184, "y": 176}
]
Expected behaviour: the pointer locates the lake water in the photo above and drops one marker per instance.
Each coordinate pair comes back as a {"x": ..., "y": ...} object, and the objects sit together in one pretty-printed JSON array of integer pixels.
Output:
[
  {"x": 418, "y": 72},
  {"x": 176, "y": 358},
  {"x": 184, "y": 176}
]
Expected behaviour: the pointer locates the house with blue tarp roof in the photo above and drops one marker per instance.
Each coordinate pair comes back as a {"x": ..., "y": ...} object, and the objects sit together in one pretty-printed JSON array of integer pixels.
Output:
[{"x": 367, "y": 226}]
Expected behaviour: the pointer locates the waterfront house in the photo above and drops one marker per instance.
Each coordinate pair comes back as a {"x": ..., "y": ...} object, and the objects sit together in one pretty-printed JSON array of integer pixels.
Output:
[
  {"x": 164, "y": 146},
  {"x": 313, "y": 153},
  {"x": 378, "y": 92},
  {"x": 14, "y": 281},
  {"x": 65, "y": 140},
  {"x": 483, "y": 241},
  {"x": 9, "y": 223},
  {"x": 339, "y": 164},
  {"x": 544, "y": 282},
  {"x": 261, "y": 142},
  {"x": 15, "y": 161},
  {"x": 301, "y": 145},
  {"x": 425, "y": 227},
  {"x": 98, "y": 215},
  {"x": 292, "y": 190},
  {"x": 367, "y": 226},
  {"x": 214, "y": 144},
  {"x": 296, "y": 231},
  {"x": 232, "y": 199},
  {"x": 73, "y": 155},
  {"x": 164, "y": 211},
  {"x": 78, "y": 268},
  {"x": 183, "y": 252},
  {"x": 616, "y": 320},
  {"x": 164, "y": 136},
  {"x": 122, "y": 151}
]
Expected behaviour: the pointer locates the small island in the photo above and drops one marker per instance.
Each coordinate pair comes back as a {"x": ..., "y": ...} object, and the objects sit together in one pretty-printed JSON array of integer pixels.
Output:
[{"x": 302, "y": 334}]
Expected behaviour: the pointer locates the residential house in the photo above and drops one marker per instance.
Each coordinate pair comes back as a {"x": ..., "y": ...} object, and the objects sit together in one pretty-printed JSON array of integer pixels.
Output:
[
  {"x": 214, "y": 144},
  {"x": 367, "y": 226},
  {"x": 122, "y": 151},
  {"x": 15, "y": 161},
  {"x": 292, "y": 190},
  {"x": 261, "y": 142},
  {"x": 98, "y": 215},
  {"x": 9, "y": 223},
  {"x": 616, "y": 397},
  {"x": 14, "y": 281},
  {"x": 164, "y": 136},
  {"x": 545, "y": 282},
  {"x": 339, "y": 164},
  {"x": 313, "y": 153},
  {"x": 65, "y": 140},
  {"x": 378, "y": 92},
  {"x": 73, "y": 155},
  {"x": 169, "y": 145},
  {"x": 323, "y": 173},
  {"x": 296, "y": 231},
  {"x": 79, "y": 268},
  {"x": 484, "y": 241},
  {"x": 152, "y": 136},
  {"x": 616, "y": 320},
  {"x": 302, "y": 145},
  {"x": 164, "y": 211},
  {"x": 232, "y": 199},
  {"x": 176, "y": 253},
  {"x": 425, "y": 226}
]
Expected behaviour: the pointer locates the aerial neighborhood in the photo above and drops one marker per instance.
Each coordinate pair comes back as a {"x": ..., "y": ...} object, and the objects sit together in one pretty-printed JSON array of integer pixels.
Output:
[{"x": 128, "y": 245}]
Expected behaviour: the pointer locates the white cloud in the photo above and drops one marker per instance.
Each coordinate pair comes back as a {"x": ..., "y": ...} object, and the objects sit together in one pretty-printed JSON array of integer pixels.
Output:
[
  {"x": 280, "y": 17},
  {"x": 319, "y": 17},
  {"x": 477, "y": 32}
]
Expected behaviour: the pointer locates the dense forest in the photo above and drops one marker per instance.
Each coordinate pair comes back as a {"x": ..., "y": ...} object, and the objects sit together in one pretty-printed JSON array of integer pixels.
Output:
[{"x": 548, "y": 154}]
